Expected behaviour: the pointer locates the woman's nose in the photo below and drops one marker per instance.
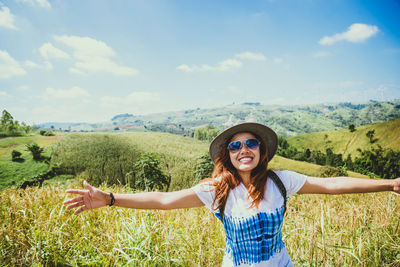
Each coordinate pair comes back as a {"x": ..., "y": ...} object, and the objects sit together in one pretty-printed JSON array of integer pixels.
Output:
[{"x": 243, "y": 149}]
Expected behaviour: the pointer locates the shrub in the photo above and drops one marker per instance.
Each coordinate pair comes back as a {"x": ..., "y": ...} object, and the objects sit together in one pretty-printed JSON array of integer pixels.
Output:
[
  {"x": 206, "y": 133},
  {"x": 49, "y": 133},
  {"x": 352, "y": 128},
  {"x": 204, "y": 167},
  {"x": 370, "y": 134},
  {"x": 328, "y": 171},
  {"x": 148, "y": 174},
  {"x": 104, "y": 158},
  {"x": 35, "y": 150},
  {"x": 42, "y": 132},
  {"x": 16, "y": 155}
]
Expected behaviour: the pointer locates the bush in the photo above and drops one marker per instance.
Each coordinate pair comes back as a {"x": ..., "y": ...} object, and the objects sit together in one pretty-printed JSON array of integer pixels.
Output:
[
  {"x": 35, "y": 150},
  {"x": 148, "y": 174},
  {"x": 204, "y": 167},
  {"x": 16, "y": 155},
  {"x": 49, "y": 133},
  {"x": 104, "y": 158},
  {"x": 328, "y": 171},
  {"x": 42, "y": 132},
  {"x": 206, "y": 133},
  {"x": 370, "y": 134}
]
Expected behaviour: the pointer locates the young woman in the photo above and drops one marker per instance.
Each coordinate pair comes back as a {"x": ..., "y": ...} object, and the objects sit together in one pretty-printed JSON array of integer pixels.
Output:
[{"x": 248, "y": 198}]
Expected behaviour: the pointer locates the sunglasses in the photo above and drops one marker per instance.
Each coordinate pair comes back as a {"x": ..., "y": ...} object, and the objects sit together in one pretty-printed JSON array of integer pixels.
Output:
[{"x": 249, "y": 143}]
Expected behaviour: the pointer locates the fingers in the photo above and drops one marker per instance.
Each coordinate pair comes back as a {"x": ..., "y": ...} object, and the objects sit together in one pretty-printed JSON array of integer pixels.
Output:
[
  {"x": 83, "y": 208},
  {"x": 77, "y": 204},
  {"x": 88, "y": 186},
  {"x": 72, "y": 200},
  {"x": 76, "y": 191}
]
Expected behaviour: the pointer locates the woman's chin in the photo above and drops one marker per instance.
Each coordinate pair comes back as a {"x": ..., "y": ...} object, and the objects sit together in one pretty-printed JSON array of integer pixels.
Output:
[{"x": 245, "y": 168}]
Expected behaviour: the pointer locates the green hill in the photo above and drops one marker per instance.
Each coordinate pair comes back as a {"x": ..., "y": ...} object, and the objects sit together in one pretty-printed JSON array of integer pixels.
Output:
[
  {"x": 11, "y": 172},
  {"x": 346, "y": 142}
]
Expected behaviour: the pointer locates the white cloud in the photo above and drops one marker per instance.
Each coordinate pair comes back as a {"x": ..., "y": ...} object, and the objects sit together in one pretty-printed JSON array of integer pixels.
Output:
[
  {"x": 278, "y": 60},
  {"x": 251, "y": 56},
  {"x": 67, "y": 94},
  {"x": 3, "y": 94},
  {"x": 220, "y": 66},
  {"x": 46, "y": 65},
  {"x": 41, "y": 3},
  {"x": 6, "y": 18},
  {"x": 320, "y": 54},
  {"x": 135, "y": 98},
  {"x": 9, "y": 66},
  {"x": 47, "y": 51},
  {"x": 229, "y": 64},
  {"x": 186, "y": 68},
  {"x": 136, "y": 102},
  {"x": 31, "y": 64},
  {"x": 93, "y": 56},
  {"x": 356, "y": 33}
]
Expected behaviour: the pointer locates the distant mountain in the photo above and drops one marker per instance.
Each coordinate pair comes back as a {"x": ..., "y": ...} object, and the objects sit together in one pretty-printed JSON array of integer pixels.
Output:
[
  {"x": 285, "y": 120},
  {"x": 121, "y": 116}
]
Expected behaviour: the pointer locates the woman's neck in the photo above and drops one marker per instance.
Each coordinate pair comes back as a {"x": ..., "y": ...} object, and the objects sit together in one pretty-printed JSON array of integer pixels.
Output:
[{"x": 245, "y": 176}]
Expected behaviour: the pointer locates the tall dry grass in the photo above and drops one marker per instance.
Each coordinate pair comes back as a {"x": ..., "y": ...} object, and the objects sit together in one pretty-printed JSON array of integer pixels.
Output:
[{"x": 347, "y": 230}]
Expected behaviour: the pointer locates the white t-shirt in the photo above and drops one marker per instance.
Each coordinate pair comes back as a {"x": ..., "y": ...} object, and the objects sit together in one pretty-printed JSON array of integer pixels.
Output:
[{"x": 253, "y": 235}]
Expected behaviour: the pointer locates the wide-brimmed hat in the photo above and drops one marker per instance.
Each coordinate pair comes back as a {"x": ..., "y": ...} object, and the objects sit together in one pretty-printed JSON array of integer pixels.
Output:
[{"x": 267, "y": 135}]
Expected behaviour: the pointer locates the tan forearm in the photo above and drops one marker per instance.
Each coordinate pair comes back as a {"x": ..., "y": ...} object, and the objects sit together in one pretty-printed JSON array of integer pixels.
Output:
[
  {"x": 348, "y": 185},
  {"x": 146, "y": 200},
  {"x": 158, "y": 200}
]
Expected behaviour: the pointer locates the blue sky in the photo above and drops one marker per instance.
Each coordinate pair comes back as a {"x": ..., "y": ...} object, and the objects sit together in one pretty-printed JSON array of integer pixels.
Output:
[{"x": 86, "y": 61}]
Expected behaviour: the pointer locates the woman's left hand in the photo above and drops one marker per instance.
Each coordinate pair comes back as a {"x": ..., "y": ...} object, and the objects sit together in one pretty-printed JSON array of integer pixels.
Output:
[{"x": 92, "y": 198}]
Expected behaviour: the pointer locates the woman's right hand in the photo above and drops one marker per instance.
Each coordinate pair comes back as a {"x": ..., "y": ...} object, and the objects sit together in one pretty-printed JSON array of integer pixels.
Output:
[{"x": 92, "y": 198}]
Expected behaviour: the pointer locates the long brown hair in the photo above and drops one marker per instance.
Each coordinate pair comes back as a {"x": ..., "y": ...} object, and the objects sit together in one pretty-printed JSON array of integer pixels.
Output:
[{"x": 230, "y": 178}]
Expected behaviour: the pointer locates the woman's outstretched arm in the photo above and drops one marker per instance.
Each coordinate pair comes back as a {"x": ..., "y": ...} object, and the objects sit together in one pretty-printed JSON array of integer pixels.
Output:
[
  {"x": 348, "y": 185},
  {"x": 94, "y": 198}
]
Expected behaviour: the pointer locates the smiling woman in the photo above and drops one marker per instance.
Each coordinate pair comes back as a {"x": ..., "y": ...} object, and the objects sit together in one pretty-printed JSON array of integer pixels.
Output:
[{"x": 248, "y": 198}]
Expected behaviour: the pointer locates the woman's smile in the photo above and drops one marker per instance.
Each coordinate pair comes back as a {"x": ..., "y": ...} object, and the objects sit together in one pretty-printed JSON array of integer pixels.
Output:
[{"x": 244, "y": 159}]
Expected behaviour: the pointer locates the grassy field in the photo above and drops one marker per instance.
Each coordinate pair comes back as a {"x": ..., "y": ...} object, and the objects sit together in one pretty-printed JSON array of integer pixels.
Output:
[
  {"x": 13, "y": 173},
  {"x": 319, "y": 230},
  {"x": 346, "y": 142}
]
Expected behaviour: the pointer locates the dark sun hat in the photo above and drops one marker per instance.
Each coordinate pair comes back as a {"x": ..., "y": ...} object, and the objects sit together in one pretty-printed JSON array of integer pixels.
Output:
[{"x": 267, "y": 135}]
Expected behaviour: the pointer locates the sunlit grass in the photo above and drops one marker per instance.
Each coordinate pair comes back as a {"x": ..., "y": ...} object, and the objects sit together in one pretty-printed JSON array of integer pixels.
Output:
[
  {"x": 13, "y": 173},
  {"x": 347, "y": 230},
  {"x": 346, "y": 142},
  {"x": 35, "y": 228}
]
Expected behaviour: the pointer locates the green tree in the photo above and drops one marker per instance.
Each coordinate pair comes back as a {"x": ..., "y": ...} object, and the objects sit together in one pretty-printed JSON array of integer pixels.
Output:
[
  {"x": 35, "y": 150},
  {"x": 6, "y": 119},
  {"x": 370, "y": 134},
  {"x": 148, "y": 174},
  {"x": 206, "y": 133},
  {"x": 352, "y": 128},
  {"x": 16, "y": 155}
]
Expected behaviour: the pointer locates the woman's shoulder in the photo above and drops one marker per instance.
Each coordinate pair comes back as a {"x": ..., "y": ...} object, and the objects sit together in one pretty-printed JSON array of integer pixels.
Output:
[
  {"x": 292, "y": 180},
  {"x": 286, "y": 173}
]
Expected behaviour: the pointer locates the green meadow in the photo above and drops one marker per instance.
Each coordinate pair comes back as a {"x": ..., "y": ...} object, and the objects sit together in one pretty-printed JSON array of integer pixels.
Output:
[
  {"x": 346, "y": 142},
  {"x": 36, "y": 229}
]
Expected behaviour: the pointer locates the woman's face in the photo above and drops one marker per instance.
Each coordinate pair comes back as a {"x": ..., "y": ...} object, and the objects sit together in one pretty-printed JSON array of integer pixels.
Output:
[{"x": 245, "y": 159}]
